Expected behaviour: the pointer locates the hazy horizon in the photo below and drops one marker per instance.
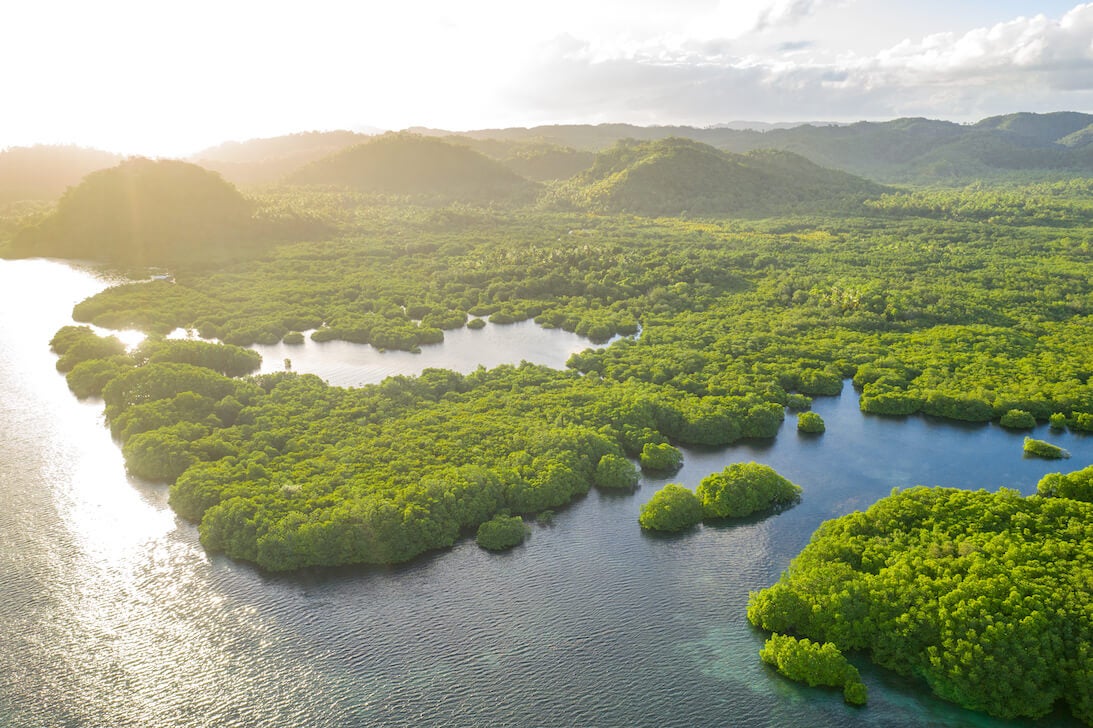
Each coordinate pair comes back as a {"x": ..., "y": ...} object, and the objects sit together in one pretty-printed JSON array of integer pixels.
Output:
[{"x": 171, "y": 80}]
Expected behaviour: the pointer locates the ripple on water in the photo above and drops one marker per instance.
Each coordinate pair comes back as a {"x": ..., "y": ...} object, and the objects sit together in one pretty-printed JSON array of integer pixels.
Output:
[{"x": 113, "y": 615}]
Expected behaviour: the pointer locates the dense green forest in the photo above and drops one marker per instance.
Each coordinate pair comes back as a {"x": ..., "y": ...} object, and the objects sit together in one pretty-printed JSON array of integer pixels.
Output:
[
  {"x": 970, "y": 303},
  {"x": 986, "y": 596},
  {"x": 967, "y": 319}
]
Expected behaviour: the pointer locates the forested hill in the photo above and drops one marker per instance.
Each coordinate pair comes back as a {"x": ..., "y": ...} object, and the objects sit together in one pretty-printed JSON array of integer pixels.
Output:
[
  {"x": 265, "y": 161},
  {"x": 45, "y": 172},
  {"x": 143, "y": 212},
  {"x": 1020, "y": 146},
  {"x": 674, "y": 176},
  {"x": 418, "y": 167}
]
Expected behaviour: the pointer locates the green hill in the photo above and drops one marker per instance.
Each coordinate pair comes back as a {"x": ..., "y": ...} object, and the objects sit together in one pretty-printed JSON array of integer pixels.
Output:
[
  {"x": 45, "y": 172},
  {"x": 674, "y": 176},
  {"x": 1043, "y": 128},
  {"x": 1017, "y": 147},
  {"x": 418, "y": 167},
  {"x": 532, "y": 159},
  {"x": 143, "y": 212},
  {"x": 270, "y": 160}
]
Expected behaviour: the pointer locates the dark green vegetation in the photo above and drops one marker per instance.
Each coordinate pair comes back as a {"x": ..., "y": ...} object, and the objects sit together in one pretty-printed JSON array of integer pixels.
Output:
[
  {"x": 985, "y": 596},
  {"x": 674, "y": 176},
  {"x": 1041, "y": 449},
  {"x": 501, "y": 532},
  {"x": 814, "y": 663},
  {"x": 810, "y": 423},
  {"x": 740, "y": 490}
]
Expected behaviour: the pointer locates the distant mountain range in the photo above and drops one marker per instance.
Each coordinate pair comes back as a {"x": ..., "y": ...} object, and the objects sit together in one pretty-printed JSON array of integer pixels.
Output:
[{"x": 1013, "y": 147}]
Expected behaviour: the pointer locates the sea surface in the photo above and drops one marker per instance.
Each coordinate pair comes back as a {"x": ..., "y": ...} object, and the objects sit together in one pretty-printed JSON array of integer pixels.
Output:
[{"x": 111, "y": 613}]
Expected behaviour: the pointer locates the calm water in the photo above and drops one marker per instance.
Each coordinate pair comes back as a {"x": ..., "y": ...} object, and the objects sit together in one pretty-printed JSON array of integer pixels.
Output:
[{"x": 112, "y": 615}]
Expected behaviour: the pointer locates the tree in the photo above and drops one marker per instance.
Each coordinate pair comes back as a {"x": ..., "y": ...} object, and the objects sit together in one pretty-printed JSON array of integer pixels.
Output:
[
  {"x": 672, "y": 508},
  {"x": 742, "y": 489},
  {"x": 501, "y": 532},
  {"x": 660, "y": 457},
  {"x": 614, "y": 472}
]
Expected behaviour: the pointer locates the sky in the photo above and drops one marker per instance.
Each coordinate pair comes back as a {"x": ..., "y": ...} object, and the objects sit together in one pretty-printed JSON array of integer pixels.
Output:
[{"x": 168, "y": 78}]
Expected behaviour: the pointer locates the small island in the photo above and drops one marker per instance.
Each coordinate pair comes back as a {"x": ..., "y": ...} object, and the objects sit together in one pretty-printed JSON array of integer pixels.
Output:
[
  {"x": 501, "y": 533},
  {"x": 814, "y": 663},
  {"x": 1040, "y": 449},
  {"x": 810, "y": 423},
  {"x": 740, "y": 490}
]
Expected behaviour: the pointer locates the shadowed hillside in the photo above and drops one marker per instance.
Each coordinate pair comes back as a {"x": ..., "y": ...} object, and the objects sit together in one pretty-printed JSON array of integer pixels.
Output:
[
  {"x": 418, "y": 167},
  {"x": 675, "y": 176}
]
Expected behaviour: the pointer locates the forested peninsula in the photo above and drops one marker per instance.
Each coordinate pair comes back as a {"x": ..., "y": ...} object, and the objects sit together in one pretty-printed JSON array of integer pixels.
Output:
[{"x": 713, "y": 314}]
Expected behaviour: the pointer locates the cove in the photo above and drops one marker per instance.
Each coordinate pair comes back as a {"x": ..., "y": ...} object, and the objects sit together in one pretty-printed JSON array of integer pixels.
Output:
[{"x": 113, "y": 614}]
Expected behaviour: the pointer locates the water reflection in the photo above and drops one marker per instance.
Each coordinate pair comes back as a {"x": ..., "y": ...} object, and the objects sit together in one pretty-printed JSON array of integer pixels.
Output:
[{"x": 463, "y": 350}]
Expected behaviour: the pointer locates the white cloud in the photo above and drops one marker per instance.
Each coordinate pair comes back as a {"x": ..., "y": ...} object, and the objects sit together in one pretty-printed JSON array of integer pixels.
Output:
[
  {"x": 1030, "y": 63},
  {"x": 786, "y": 12}
]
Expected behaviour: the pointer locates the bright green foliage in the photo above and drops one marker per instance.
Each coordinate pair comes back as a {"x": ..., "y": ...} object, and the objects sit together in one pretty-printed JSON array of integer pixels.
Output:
[
  {"x": 1076, "y": 486},
  {"x": 1041, "y": 449},
  {"x": 614, "y": 472},
  {"x": 814, "y": 663},
  {"x": 742, "y": 489},
  {"x": 501, "y": 532},
  {"x": 928, "y": 309},
  {"x": 672, "y": 508},
  {"x": 1016, "y": 419},
  {"x": 985, "y": 595},
  {"x": 810, "y": 422},
  {"x": 231, "y": 361},
  {"x": 89, "y": 377},
  {"x": 1058, "y": 421},
  {"x": 660, "y": 457},
  {"x": 798, "y": 402},
  {"x": 78, "y": 344}
]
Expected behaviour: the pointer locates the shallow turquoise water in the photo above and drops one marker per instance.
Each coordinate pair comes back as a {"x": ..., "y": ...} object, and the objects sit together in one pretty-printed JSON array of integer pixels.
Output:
[{"x": 112, "y": 615}]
